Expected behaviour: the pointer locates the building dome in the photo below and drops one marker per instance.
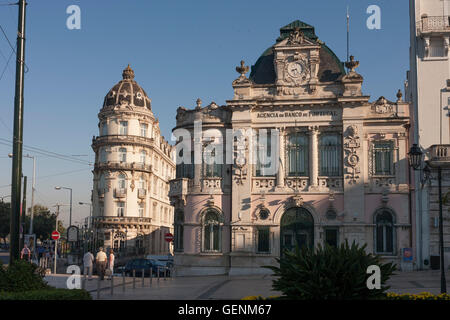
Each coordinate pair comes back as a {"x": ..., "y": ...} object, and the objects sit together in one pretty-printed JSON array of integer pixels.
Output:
[
  {"x": 330, "y": 68},
  {"x": 127, "y": 92}
]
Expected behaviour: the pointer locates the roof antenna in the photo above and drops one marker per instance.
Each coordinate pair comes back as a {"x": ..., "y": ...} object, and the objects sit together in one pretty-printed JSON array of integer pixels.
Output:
[{"x": 348, "y": 36}]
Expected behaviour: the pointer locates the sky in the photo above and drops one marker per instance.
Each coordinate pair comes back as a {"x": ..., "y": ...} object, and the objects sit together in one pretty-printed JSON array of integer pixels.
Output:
[{"x": 179, "y": 50}]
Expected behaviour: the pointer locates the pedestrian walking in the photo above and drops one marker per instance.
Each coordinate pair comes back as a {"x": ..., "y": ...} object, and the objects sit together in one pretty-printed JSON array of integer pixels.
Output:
[
  {"x": 25, "y": 251},
  {"x": 111, "y": 263},
  {"x": 100, "y": 261},
  {"x": 88, "y": 260}
]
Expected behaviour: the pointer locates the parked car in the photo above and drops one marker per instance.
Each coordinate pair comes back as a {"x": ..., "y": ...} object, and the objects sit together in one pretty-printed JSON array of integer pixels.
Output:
[{"x": 148, "y": 265}]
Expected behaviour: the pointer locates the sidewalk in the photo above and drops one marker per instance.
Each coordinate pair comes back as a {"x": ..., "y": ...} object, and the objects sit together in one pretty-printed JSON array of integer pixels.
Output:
[{"x": 227, "y": 287}]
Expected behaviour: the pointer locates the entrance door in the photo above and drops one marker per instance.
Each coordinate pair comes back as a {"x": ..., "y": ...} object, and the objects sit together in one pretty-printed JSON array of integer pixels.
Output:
[{"x": 297, "y": 229}]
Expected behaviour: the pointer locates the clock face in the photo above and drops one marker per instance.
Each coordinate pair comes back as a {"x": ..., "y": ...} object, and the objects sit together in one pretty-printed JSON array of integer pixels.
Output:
[{"x": 295, "y": 69}]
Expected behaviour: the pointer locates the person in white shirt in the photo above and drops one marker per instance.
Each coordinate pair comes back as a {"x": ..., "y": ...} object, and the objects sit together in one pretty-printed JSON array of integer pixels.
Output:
[
  {"x": 100, "y": 261},
  {"x": 88, "y": 260},
  {"x": 111, "y": 262}
]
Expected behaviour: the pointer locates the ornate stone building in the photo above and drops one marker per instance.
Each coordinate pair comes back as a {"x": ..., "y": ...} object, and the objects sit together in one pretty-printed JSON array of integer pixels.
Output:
[
  {"x": 133, "y": 166},
  {"x": 340, "y": 161},
  {"x": 428, "y": 90}
]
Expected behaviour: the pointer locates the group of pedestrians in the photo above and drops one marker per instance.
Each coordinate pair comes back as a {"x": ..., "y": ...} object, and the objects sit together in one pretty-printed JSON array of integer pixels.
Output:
[{"x": 103, "y": 263}]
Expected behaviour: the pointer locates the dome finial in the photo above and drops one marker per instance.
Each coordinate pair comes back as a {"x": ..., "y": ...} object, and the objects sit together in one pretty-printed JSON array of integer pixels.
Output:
[{"x": 128, "y": 73}]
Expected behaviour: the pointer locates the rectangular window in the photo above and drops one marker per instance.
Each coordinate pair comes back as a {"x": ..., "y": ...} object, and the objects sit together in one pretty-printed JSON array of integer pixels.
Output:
[
  {"x": 141, "y": 210},
  {"x": 123, "y": 155},
  {"x": 144, "y": 129},
  {"x": 330, "y": 155},
  {"x": 298, "y": 155},
  {"x": 185, "y": 170},
  {"x": 263, "y": 154},
  {"x": 263, "y": 239},
  {"x": 120, "y": 209},
  {"x": 123, "y": 127},
  {"x": 331, "y": 237},
  {"x": 436, "y": 47},
  {"x": 214, "y": 169},
  {"x": 383, "y": 158}
]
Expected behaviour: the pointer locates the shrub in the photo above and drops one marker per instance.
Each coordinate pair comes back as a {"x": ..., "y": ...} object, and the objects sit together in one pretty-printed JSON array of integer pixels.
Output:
[
  {"x": 329, "y": 273},
  {"x": 22, "y": 276},
  {"x": 47, "y": 294},
  {"x": 419, "y": 296}
]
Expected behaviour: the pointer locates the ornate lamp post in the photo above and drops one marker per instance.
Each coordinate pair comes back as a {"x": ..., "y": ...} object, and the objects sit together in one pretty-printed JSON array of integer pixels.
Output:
[{"x": 416, "y": 162}]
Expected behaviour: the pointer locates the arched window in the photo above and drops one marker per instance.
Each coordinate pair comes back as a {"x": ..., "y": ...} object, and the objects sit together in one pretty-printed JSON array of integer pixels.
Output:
[
  {"x": 122, "y": 182},
  {"x": 178, "y": 230},
  {"x": 384, "y": 232},
  {"x": 211, "y": 232}
]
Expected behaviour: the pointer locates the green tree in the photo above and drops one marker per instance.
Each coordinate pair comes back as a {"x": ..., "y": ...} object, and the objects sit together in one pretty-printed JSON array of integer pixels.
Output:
[
  {"x": 43, "y": 222},
  {"x": 5, "y": 212}
]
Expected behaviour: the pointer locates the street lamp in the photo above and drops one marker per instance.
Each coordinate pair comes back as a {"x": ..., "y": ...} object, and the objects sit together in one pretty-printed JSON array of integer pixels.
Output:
[
  {"x": 70, "y": 216},
  {"x": 33, "y": 185},
  {"x": 416, "y": 162},
  {"x": 90, "y": 210}
]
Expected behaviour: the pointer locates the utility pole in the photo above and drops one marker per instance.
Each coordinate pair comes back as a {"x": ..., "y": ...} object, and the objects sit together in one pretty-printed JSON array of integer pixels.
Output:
[
  {"x": 23, "y": 212},
  {"x": 56, "y": 241},
  {"x": 14, "y": 251}
]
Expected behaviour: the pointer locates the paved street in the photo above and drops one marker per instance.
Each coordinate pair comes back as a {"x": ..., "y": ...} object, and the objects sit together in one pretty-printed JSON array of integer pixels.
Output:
[{"x": 230, "y": 288}]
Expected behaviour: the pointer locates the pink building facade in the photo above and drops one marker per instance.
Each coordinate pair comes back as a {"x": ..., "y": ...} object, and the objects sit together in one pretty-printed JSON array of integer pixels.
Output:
[{"x": 306, "y": 159}]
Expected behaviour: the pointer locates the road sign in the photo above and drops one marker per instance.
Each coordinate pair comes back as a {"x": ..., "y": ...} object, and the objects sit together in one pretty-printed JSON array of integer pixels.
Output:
[
  {"x": 168, "y": 237},
  {"x": 55, "y": 235}
]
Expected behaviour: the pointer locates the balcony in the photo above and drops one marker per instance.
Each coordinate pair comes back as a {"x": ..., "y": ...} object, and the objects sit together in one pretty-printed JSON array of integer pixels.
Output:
[
  {"x": 298, "y": 183},
  {"x": 263, "y": 183},
  {"x": 141, "y": 193},
  {"x": 332, "y": 183},
  {"x": 434, "y": 24},
  {"x": 121, "y": 139},
  {"x": 120, "y": 193},
  {"x": 100, "y": 222},
  {"x": 439, "y": 156},
  {"x": 211, "y": 184},
  {"x": 179, "y": 187},
  {"x": 123, "y": 166}
]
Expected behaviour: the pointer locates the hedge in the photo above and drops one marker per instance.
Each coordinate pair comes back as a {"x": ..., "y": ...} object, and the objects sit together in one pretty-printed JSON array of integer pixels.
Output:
[{"x": 47, "y": 294}]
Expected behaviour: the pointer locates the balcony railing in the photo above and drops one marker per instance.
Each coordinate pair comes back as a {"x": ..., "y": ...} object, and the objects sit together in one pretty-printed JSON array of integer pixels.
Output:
[
  {"x": 117, "y": 138},
  {"x": 179, "y": 187},
  {"x": 124, "y": 166},
  {"x": 120, "y": 193},
  {"x": 121, "y": 220},
  {"x": 142, "y": 193},
  {"x": 211, "y": 184},
  {"x": 439, "y": 155},
  {"x": 434, "y": 23}
]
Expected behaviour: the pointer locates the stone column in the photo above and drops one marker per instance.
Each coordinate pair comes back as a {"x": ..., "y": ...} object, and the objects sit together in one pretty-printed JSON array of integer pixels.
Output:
[
  {"x": 313, "y": 158},
  {"x": 281, "y": 158}
]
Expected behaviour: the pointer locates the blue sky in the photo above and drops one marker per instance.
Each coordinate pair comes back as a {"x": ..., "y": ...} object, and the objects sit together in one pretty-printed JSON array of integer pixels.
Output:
[{"x": 179, "y": 50}]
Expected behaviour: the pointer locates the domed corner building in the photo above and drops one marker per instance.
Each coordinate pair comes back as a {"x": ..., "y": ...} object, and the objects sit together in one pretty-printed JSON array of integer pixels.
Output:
[
  {"x": 324, "y": 164},
  {"x": 133, "y": 166}
]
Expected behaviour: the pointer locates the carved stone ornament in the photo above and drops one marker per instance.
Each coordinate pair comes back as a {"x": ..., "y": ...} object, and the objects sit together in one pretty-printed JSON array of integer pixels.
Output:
[
  {"x": 242, "y": 70},
  {"x": 296, "y": 37},
  {"x": 351, "y": 145},
  {"x": 296, "y": 71},
  {"x": 383, "y": 106},
  {"x": 297, "y": 200},
  {"x": 240, "y": 173}
]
